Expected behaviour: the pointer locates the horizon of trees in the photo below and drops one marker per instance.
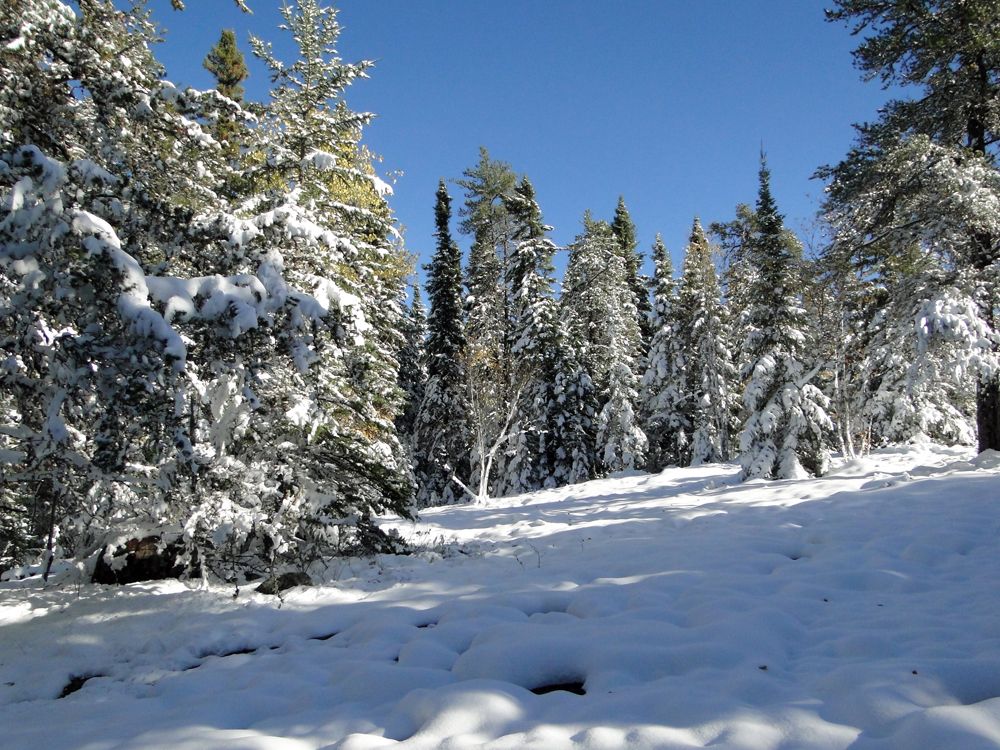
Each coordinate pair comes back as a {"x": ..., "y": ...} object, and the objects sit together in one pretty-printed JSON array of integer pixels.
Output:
[{"x": 205, "y": 337}]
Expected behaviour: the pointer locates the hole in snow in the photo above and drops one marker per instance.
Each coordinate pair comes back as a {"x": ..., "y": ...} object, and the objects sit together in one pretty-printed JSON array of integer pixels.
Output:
[
  {"x": 224, "y": 654},
  {"x": 326, "y": 637},
  {"x": 76, "y": 682},
  {"x": 568, "y": 687}
]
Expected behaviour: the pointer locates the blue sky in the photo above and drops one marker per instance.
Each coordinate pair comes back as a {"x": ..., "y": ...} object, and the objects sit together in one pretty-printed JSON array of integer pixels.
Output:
[{"x": 664, "y": 102}]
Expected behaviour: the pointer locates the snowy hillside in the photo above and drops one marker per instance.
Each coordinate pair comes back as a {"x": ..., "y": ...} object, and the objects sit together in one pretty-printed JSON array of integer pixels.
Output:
[{"x": 859, "y": 611}]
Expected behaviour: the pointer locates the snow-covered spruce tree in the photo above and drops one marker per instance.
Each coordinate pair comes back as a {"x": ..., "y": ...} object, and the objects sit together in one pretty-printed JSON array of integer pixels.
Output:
[
  {"x": 708, "y": 371},
  {"x": 412, "y": 365},
  {"x": 734, "y": 239},
  {"x": 926, "y": 171},
  {"x": 441, "y": 439},
  {"x": 600, "y": 318},
  {"x": 783, "y": 436},
  {"x": 619, "y": 436},
  {"x": 573, "y": 418},
  {"x": 315, "y": 231},
  {"x": 624, "y": 231},
  {"x": 102, "y": 166},
  {"x": 663, "y": 418},
  {"x": 537, "y": 349},
  {"x": 187, "y": 393},
  {"x": 914, "y": 353}
]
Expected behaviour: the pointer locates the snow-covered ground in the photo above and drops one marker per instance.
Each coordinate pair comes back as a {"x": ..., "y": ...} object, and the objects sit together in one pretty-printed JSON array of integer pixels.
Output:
[{"x": 861, "y": 610}]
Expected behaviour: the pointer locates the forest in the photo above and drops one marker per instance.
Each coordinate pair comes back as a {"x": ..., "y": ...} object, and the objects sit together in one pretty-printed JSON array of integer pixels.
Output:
[{"x": 211, "y": 337}]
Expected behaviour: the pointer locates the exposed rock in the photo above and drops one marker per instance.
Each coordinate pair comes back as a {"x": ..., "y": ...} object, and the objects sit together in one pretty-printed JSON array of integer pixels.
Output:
[
  {"x": 146, "y": 559},
  {"x": 276, "y": 584}
]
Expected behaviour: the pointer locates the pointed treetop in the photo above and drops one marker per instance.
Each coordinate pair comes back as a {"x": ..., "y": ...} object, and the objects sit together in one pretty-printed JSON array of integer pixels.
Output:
[
  {"x": 226, "y": 63},
  {"x": 767, "y": 210},
  {"x": 663, "y": 270},
  {"x": 524, "y": 207},
  {"x": 417, "y": 302},
  {"x": 442, "y": 213},
  {"x": 624, "y": 228},
  {"x": 661, "y": 258}
]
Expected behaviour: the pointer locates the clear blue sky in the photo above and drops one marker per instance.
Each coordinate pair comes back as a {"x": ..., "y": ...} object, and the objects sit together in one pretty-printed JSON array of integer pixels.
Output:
[{"x": 665, "y": 102}]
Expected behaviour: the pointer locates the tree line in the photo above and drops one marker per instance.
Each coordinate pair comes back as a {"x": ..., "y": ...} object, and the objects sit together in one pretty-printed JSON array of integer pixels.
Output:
[{"x": 205, "y": 336}]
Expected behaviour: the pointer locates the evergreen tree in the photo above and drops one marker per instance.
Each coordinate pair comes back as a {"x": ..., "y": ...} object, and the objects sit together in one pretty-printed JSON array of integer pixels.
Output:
[
  {"x": 600, "y": 319},
  {"x": 663, "y": 418},
  {"x": 911, "y": 358},
  {"x": 925, "y": 171},
  {"x": 103, "y": 169},
  {"x": 783, "y": 436},
  {"x": 226, "y": 63},
  {"x": 735, "y": 238},
  {"x": 624, "y": 231},
  {"x": 709, "y": 373},
  {"x": 441, "y": 437},
  {"x": 573, "y": 419},
  {"x": 489, "y": 187},
  {"x": 196, "y": 373},
  {"x": 621, "y": 440},
  {"x": 536, "y": 347}
]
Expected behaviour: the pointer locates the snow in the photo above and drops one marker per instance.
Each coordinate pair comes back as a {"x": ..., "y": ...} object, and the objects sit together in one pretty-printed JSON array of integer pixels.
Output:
[
  {"x": 100, "y": 239},
  {"x": 857, "y": 610}
]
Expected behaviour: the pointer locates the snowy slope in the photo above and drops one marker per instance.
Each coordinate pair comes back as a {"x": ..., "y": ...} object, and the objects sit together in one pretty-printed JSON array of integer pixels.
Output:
[{"x": 858, "y": 611}]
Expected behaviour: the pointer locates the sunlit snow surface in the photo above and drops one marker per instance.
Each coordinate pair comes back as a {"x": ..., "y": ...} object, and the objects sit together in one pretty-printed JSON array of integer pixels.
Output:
[{"x": 861, "y": 610}]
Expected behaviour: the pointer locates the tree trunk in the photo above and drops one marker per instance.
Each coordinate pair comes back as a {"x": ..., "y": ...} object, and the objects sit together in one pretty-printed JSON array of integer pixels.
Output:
[
  {"x": 983, "y": 254},
  {"x": 988, "y": 415}
]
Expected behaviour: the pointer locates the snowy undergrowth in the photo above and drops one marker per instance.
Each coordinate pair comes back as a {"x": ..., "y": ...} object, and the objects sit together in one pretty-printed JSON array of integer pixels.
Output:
[{"x": 854, "y": 611}]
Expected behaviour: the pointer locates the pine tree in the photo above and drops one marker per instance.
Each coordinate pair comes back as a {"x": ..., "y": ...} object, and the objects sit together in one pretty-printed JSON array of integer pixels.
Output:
[
  {"x": 663, "y": 418},
  {"x": 709, "y": 373},
  {"x": 734, "y": 238},
  {"x": 203, "y": 384},
  {"x": 624, "y": 231},
  {"x": 573, "y": 418},
  {"x": 104, "y": 168},
  {"x": 537, "y": 348},
  {"x": 226, "y": 63},
  {"x": 486, "y": 217},
  {"x": 600, "y": 318},
  {"x": 441, "y": 437},
  {"x": 925, "y": 170},
  {"x": 783, "y": 436}
]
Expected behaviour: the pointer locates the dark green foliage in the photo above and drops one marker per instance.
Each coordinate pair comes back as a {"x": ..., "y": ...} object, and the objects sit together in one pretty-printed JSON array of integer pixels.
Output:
[
  {"x": 624, "y": 231},
  {"x": 783, "y": 434},
  {"x": 446, "y": 337},
  {"x": 226, "y": 63},
  {"x": 441, "y": 441}
]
